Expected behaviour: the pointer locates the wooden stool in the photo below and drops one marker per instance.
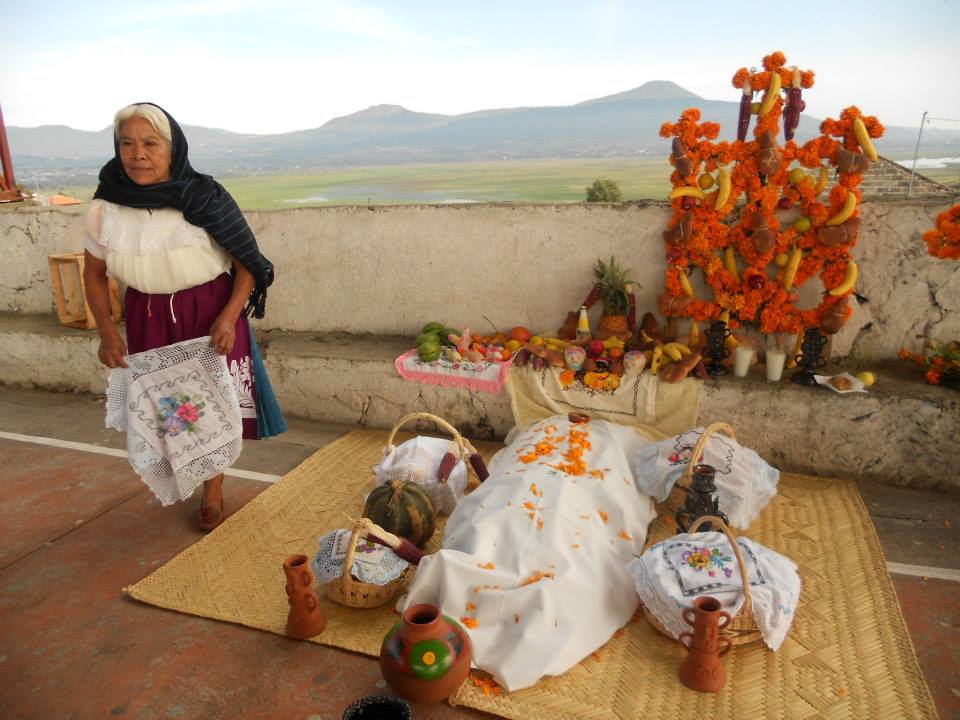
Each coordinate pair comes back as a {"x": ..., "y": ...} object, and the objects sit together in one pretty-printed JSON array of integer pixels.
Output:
[{"x": 66, "y": 273}]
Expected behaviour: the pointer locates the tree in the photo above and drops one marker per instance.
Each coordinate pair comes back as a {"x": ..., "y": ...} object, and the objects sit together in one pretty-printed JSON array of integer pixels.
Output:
[{"x": 604, "y": 191}]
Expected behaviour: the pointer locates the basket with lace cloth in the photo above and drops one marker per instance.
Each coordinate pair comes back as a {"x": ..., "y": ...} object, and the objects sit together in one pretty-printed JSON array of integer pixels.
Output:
[
  {"x": 438, "y": 465},
  {"x": 678, "y": 495},
  {"x": 742, "y": 628},
  {"x": 336, "y": 569}
]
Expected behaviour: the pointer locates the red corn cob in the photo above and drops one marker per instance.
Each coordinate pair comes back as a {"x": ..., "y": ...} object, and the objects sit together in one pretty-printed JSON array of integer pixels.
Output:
[
  {"x": 405, "y": 549},
  {"x": 592, "y": 297},
  {"x": 479, "y": 466},
  {"x": 521, "y": 358},
  {"x": 791, "y": 116},
  {"x": 447, "y": 464},
  {"x": 538, "y": 363},
  {"x": 743, "y": 122}
]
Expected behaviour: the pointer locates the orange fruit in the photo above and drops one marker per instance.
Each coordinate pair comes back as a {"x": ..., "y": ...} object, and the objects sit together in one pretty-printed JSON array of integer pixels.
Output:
[
  {"x": 614, "y": 352},
  {"x": 520, "y": 333}
]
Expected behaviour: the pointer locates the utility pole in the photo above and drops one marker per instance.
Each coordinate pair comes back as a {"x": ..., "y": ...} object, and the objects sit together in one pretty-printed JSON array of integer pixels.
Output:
[{"x": 916, "y": 150}]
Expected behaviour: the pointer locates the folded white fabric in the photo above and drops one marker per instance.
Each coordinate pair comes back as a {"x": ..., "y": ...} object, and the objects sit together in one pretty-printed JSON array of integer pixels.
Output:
[
  {"x": 179, "y": 408},
  {"x": 372, "y": 562},
  {"x": 418, "y": 460},
  {"x": 670, "y": 575},
  {"x": 745, "y": 483}
]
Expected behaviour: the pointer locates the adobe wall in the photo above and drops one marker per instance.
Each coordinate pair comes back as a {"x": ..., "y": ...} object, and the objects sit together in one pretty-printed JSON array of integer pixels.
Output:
[{"x": 388, "y": 270}]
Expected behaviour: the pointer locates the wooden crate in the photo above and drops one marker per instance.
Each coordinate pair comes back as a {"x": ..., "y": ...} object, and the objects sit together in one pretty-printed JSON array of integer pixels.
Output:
[{"x": 66, "y": 273}]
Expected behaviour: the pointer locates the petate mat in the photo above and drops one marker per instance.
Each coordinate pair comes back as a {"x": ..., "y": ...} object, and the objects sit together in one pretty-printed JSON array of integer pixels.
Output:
[{"x": 848, "y": 654}]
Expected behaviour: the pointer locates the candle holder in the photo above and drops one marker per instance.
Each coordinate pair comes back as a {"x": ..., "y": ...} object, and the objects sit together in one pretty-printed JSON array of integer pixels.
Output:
[
  {"x": 701, "y": 500},
  {"x": 809, "y": 358},
  {"x": 717, "y": 334}
]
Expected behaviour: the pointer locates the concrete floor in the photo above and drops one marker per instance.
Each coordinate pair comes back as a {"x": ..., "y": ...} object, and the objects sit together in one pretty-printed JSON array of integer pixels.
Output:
[{"x": 79, "y": 526}]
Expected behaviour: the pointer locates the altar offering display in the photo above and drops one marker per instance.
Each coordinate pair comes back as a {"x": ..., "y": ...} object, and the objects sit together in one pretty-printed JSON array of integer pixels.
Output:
[
  {"x": 753, "y": 261},
  {"x": 426, "y": 655}
]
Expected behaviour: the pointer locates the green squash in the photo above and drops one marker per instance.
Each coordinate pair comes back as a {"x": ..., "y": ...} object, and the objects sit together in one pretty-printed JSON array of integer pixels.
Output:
[{"x": 404, "y": 509}]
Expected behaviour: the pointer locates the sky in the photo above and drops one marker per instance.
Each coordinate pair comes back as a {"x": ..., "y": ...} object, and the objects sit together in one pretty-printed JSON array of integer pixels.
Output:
[{"x": 270, "y": 66}]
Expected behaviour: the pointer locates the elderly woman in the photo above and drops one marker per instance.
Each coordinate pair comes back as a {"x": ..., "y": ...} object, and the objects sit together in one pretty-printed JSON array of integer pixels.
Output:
[{"x": 190, "y": 262}]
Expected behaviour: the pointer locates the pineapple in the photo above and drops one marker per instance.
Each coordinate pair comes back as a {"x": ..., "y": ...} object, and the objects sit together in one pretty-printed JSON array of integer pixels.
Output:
[{"x": 612, "y": 286}]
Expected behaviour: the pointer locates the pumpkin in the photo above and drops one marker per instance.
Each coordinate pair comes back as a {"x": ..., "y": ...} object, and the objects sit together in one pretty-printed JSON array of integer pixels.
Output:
[{"x": 402, "y": 508}]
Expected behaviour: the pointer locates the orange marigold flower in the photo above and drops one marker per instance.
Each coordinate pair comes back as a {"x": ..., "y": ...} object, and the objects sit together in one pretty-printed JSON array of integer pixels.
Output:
[
  {"x": 625, "y": 535},
  {"x": 603, "y": 516},
  {"x": 487, "y": 566},
  {"x": 471, "y": 607},
  {"x": 469, "y": 622}
]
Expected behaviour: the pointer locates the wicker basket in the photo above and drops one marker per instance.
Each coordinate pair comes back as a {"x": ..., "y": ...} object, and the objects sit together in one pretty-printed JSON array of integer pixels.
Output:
[
  {"x": 351, "y": 592},
  {"x": 460, "y": 447},
  {"x": 678, "y": 495},
  {"x": 742, "y": 628}
]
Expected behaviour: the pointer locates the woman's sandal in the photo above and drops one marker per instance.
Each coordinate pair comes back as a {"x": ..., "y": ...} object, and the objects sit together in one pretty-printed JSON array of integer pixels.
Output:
[{"x": 210, "y": 517}]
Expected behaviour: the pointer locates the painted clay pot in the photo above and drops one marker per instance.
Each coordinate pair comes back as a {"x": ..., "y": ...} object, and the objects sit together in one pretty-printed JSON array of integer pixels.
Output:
[
  {"x": 305, "y": 618},
  {"x": 378, "y": 707},
  {"x": 426, "y": 656},
  {"x": 702, "y": 669}
]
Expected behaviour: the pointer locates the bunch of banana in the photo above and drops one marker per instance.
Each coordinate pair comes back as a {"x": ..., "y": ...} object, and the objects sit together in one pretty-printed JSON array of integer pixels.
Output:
[
  {"x": 613, "y": 342},
  {"x": 675, "y": 350}
]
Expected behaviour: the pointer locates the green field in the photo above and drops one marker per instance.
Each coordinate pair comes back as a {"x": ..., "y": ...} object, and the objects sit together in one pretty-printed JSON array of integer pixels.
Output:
[{"x": 534, "y": 181}]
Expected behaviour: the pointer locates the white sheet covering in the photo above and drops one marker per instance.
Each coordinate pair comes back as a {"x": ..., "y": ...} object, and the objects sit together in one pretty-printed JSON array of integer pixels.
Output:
[{"x": 535, "y": 560}]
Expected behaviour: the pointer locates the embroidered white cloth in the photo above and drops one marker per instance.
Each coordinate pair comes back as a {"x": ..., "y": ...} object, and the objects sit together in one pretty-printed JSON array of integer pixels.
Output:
[
  {"x": 535, "y": 558},
  {"x": 179, "y": 408},
  {"x": 418, "y": 460},
  {"x": 670, "y": 575},
  {"x": 745, "y": 483},
  {"x": 372, "y": 562}
]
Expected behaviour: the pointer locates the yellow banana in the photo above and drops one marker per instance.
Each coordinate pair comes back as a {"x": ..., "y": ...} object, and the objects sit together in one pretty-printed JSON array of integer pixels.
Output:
[
  {"x": 781, "y": 259},
  {"x": 797, "y": 354},
  {"x": 731, "y": 341},
  {"x": 687, "y": 191},
  {"x": 645, "y": 338},
  {"x": 694, "y": 335},
  {"x": 656, "y": 360},
  {"x": 685, "y": 284},
  {"x": 821, "y": 181},
  {"x": 676, "y": 350},
  {"x": 730, "y": 262},
  {"x": 849, "y": 205},
  {"x": 849, "y": 280},
  {"x": 790, "y": 272},
  {"x": 723, "y": 188},
  {"x": 863, "y": 137},
  {"x": 773, "y": 92},
  {"x": 725, "y": 316}
]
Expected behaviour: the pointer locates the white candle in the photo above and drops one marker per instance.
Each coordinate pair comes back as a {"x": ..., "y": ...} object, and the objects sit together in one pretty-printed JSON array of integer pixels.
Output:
[
  {"x": 775, "y": 360},
  {"x": 741, "y": 360}
]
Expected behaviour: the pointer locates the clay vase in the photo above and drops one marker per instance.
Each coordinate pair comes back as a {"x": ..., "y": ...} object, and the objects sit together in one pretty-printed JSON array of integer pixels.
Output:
[
  {"x": 305, "y": 618},
  {"x": 702, "y": 669},
  {"x": 426, "y": 656}
]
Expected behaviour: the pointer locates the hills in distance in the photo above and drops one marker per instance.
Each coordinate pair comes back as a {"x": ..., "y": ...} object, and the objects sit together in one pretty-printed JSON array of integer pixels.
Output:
[{"x": 625, "y": 124}]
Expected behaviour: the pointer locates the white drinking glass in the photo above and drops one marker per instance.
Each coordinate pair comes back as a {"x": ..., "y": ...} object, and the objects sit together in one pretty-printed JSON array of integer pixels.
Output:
[
  {"x": 741, "y": 360},
  {"x": 775, "y": 360}
]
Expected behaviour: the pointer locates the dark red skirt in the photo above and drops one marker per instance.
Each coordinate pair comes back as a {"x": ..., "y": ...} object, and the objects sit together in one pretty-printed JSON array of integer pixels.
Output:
[{"x": 155, "y": 320}]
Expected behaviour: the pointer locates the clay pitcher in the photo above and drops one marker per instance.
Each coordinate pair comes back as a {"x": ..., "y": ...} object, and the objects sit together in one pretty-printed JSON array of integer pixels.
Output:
[
  {"x": 702, "y": 669},
  {"x": 305, "y": 618},
  {"x": 426, "y": 656}
]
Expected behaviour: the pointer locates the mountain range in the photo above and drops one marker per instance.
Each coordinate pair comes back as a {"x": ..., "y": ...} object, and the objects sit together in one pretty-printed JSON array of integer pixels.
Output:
[{"x": 625, "y": 124}]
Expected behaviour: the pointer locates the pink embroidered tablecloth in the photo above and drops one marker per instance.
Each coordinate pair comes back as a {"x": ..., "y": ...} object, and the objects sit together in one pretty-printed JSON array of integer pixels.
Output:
[{"x": 487, "y": 376}]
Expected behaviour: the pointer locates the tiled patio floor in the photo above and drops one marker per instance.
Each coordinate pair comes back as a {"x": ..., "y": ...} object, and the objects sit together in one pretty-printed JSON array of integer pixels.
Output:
[{"x": 79, "y": 526}]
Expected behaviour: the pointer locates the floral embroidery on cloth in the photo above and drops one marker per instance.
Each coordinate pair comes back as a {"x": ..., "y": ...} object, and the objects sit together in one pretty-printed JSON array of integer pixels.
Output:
[
  {"x": 712, "y": 561},
  {"x": 179, "y": 408},
  {"x": 179, "y": 413}
]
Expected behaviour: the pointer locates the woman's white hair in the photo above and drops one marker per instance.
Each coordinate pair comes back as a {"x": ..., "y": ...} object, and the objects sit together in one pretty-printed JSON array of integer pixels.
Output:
[{"x": 151, "y": 113}]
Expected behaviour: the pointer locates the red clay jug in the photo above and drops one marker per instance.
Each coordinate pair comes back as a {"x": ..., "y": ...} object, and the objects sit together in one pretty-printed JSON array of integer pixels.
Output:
[
  {"x": 305, "y": 618},
  {"x": 702, "y": 669},
  {"x": 426, "y": 656}
]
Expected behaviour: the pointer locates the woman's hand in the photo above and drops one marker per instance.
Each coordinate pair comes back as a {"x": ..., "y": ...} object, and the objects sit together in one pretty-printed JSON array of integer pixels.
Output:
[
  {"x": 223, "y": 334},
  {"x": 112, "y": 350}
]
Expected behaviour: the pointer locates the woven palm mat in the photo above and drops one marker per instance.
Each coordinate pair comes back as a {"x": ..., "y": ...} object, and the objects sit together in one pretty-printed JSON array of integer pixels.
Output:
[{"x": 848, "y": 654}]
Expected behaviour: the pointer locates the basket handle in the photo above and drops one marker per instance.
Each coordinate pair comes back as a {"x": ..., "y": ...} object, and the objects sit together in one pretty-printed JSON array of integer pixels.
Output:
[
  {"x": 422, "y": 416},
  {"x": 701, "y": 444},
  {"x": 718, "y": 522}
]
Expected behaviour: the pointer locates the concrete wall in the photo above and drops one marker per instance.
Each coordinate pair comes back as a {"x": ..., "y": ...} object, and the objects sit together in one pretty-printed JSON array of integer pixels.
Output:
[{"x": 388, "y": 270}]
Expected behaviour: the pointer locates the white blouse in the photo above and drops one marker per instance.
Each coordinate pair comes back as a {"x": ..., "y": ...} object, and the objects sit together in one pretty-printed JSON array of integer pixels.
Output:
[{"x": 153, "y": 251}]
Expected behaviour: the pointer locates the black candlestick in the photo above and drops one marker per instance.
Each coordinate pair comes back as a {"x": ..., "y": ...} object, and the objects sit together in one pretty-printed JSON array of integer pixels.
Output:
[
  {"x": 717, "y": 334},
  {"x": 809, "y": 359},
  {"x": 700, "y": 500}
]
